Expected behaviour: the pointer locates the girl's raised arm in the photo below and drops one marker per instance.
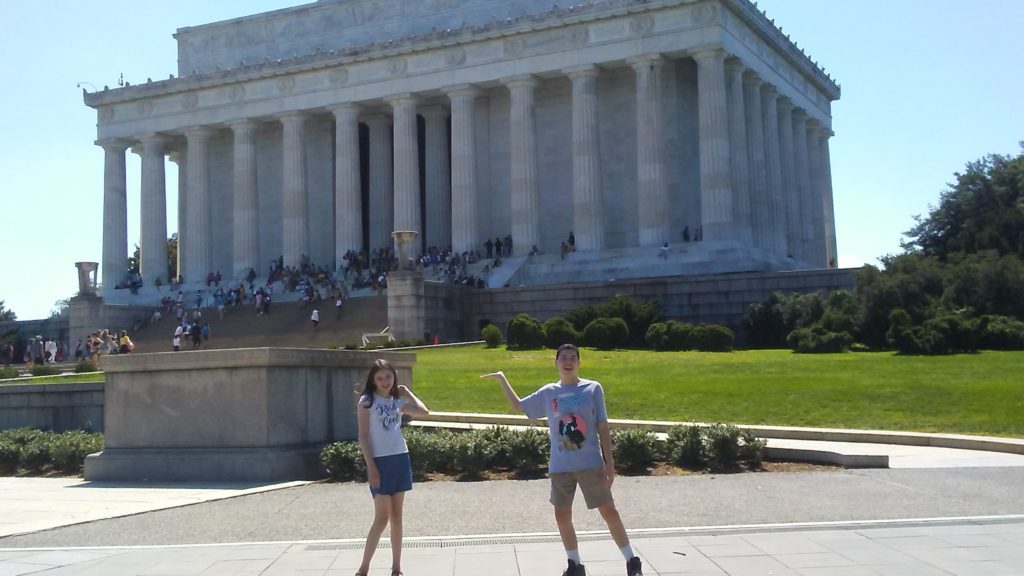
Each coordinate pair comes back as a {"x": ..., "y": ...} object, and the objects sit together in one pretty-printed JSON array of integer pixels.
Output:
[{"x": 413, "y": 406}]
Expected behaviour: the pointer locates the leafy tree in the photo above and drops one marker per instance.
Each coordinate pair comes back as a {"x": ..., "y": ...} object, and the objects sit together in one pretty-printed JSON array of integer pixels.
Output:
[
  {"x": 6, "y": 314},
  {"x": 172, "y": 259},
  {"x": 982, "y": 210}
]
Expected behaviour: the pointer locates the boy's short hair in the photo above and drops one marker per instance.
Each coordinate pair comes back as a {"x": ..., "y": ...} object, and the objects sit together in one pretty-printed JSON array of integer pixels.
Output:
[{"x": 568, "y": 348}]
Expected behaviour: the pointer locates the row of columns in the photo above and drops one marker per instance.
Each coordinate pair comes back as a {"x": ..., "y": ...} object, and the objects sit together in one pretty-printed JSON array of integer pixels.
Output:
[{"x": 764, "y": 174}]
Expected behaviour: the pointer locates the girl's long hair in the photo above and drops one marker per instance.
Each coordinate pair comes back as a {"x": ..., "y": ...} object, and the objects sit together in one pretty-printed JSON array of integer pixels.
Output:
[{"x": 370, "y": 387}]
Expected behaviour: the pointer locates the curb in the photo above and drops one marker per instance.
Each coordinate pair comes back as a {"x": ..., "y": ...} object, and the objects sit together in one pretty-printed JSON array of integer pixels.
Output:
[{"x": 959, "y": 441}]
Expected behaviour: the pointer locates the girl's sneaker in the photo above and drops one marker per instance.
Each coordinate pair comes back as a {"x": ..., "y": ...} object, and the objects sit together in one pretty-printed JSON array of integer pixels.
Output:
[{"x": 634, "y": 567}]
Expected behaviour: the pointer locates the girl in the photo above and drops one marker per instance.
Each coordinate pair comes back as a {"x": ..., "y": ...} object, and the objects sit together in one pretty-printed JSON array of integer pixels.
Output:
[{"x": 379, "y": 411}]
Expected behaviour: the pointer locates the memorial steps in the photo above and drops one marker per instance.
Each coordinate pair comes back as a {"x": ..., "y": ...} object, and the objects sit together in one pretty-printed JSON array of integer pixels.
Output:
[
  {"x": 683, "y": 259},
  {"x": 287, "y": 326}
]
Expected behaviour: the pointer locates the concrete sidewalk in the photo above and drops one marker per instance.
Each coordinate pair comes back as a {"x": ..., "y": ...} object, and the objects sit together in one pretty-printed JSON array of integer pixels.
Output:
[{"x": 966, "y": 546}]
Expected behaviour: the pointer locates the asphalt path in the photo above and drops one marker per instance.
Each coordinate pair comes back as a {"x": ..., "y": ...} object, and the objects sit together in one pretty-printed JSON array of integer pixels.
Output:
[{"x": 327, "y": 511}]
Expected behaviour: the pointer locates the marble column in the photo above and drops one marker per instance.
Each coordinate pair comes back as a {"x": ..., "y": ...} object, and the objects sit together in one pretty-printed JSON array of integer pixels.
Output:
[
  {"x": 653, "y": 210},
  {"x": 465, "y": 227},
  {"x": 195, "y": 248},
  {"x": 246, "y": 241},
  {"x": 115, "y": 214},
  {"x": 586, "y": 159},
  {"x": 715, "y": 162},
  {"x": 178, "y": 157},
  {"x": 382, "y": 200},
  {"x": 294, "y": 200},
  {"x": 803, "y": 182},
  {"x": 438, "y": 177},
  {"x": 348, "y": 187},
  {"x": 523, "y": 152},
  {"x": 773, "y": 166},
  {"x": 153, "y": 221},
  {"x": 741, "y": 189},
  {"x": 816, "y": 197},
  {"x": 406, "y": 163},
  {"x": 791, "y": 190},
  {"x": 830, "y": 214},
  {"x": 760, "y": 211}
]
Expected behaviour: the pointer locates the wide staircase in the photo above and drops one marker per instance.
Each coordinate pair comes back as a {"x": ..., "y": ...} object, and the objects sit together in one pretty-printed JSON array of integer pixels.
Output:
[{"x": 287, "y": 325}]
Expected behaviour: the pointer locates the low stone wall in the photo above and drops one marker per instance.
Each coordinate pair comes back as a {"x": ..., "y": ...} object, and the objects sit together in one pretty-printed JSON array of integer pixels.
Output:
[
  {"x": 253, "y": 415},
  {"x": 716, "y": 299},
  {"x": 57, "y": 407}
]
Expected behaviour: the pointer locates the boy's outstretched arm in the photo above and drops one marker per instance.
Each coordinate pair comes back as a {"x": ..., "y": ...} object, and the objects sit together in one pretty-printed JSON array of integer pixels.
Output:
[{"x": 510, "y": 394}]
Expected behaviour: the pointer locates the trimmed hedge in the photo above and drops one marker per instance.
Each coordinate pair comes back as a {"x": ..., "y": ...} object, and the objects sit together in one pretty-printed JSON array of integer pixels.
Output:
[
  {"x": 712, "y": 338},
  {"x": 606, "y": 334},
  {"x": 491, "y": 335},
  {"x": 35, "y": 451},
  {"x": 524, "y": 332},
  {"x": 558, "y": 331}
]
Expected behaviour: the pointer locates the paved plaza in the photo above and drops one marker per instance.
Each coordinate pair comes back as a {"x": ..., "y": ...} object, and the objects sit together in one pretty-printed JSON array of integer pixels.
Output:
[{"x": 965, "y": 519}]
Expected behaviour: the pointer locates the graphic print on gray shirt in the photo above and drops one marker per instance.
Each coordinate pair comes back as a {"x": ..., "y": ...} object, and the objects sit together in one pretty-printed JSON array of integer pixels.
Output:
[{"x": 573, "y": 413}]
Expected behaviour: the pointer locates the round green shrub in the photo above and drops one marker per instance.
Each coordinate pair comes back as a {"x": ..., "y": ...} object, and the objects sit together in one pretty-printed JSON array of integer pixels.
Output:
[
  {"x": 657, "y": 336},
  {"x": 680, "y": 335},
  {"x": 68, "y": 450},
  {"x": 45, "y": 370},
  {"x": 723, "y": 446},
  {"x": 633, "y": 449},
  {"x": 530, "y": 450},
  {"x": 712, "y": 338},
  {"x": 606, "y": 334},
  {"x": 429, "y": 450},
  {"x": 524, "y": 332},
  {"x": 471, "y": 455},
  {"x": 83, "y": 366},
  {"x": 344, "y": 461},
  {"x": 491, "y": 335},
  {"x": 558, "y": 331},
  {"x": 818, "y": 340},
  {"x": 1000, "y": 333},
  {"x": 10, "y": 454},
  {"x": 6, "y": 373},
  {"x": 500, "y": 440},
  {"x": 687, "y": 446}
]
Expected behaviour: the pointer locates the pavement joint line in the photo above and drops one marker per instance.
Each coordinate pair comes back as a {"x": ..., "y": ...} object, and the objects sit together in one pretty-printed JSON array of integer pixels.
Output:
[{"x": 452, "y": 541}]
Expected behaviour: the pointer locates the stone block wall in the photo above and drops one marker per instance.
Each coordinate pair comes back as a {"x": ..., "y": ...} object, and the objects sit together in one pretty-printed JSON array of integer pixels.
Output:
[
  {"x": 58, "y": 407},
  {"x": 718, "y": 299}
]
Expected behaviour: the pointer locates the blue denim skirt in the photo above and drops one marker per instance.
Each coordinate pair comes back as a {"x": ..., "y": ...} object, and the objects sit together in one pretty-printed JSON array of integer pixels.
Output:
[{"x": 395, "y": 474}]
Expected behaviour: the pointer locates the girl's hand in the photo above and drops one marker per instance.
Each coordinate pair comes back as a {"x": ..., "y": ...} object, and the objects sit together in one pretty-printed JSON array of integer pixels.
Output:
[
  {"x": 499, "y": 375},
  {"x": 374, "y": 477},
  {"x": 403, "y": 391}
]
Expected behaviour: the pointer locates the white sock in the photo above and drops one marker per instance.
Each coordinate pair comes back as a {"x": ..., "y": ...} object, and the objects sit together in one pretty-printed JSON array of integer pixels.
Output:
[
  {"x": 574, "y": 555},
  {"x": 627, "y": 552}
]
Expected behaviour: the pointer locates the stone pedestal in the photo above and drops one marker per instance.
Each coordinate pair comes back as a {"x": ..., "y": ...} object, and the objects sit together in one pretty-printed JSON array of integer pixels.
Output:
[
  {"x": 244, "y": 415},
  {"x": 407, "y": 309}
]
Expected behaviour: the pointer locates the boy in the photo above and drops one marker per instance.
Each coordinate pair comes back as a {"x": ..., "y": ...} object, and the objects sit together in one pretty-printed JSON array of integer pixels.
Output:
[{"x": 575, "y": 410}]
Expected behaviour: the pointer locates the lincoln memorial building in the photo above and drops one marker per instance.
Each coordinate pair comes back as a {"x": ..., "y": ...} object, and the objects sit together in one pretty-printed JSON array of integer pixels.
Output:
[{"x": 323, "y": 128}]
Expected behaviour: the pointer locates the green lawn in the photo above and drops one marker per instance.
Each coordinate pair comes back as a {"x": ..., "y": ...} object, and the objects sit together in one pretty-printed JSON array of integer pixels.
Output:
[
  {"x": 65, "y": 379},
  {"x": 971, "y": 394}
]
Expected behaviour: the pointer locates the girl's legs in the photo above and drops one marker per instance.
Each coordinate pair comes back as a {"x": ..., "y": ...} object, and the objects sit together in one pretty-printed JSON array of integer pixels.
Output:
[
  {"x": 396, "y": 531},
  {"x": 381, "y": 513}
]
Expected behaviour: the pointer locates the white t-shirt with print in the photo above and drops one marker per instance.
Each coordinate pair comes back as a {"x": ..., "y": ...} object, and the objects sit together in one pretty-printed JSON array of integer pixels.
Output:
[{"x": 386, "y": 426}]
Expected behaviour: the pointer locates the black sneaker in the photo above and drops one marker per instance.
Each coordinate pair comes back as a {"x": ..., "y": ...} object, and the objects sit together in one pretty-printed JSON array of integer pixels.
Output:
[
  {"x": 575, "y": 569},
  {"x": 634, "y": 567}
]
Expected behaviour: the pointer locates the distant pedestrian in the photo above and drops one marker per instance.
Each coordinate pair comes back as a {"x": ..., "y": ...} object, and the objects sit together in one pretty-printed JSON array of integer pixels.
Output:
[
  {"x": 8, "y": 353},
  {"x": 338, "y": 305},
  {"x": 315, "y": 317},
  {"x": 388, "y": 469}
]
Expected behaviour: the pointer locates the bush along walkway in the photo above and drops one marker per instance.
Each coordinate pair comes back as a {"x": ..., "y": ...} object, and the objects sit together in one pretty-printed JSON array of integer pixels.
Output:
[
  {"x": 503, "y": 452},
  {"x": 27, "y": 451}
]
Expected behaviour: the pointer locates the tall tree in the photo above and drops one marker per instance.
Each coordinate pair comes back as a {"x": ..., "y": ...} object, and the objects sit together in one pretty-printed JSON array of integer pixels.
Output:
[
  {"x": 6, "y": 314},
  {"x": 983, "y": 210}
]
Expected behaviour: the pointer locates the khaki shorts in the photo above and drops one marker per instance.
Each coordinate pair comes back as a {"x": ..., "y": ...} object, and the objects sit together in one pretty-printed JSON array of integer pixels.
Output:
[{"x": 591, "y": 482}]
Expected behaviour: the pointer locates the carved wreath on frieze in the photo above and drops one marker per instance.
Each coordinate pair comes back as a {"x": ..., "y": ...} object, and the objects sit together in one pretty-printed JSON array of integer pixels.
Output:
[
  {"x": 397, "y": 66},
  {"x": 642, "y": 24},
  {"x": 514, "y": 47},
  {"x": 337, "y": 76}
]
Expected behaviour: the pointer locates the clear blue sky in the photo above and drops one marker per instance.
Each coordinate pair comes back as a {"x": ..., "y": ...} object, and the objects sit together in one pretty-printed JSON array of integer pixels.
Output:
[{"x": 927, "y": 87}]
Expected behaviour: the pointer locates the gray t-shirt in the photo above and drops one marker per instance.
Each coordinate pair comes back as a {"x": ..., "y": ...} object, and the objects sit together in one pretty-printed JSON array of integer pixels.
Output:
[{"x": 573, "y": 413}]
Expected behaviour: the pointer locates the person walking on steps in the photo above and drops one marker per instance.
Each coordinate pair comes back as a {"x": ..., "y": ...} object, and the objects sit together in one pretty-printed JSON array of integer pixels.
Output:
[
  {"x": 388, "y": 469},
  {"x": 581, "y": 452},
  {"x": 315, "y": 318}
]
